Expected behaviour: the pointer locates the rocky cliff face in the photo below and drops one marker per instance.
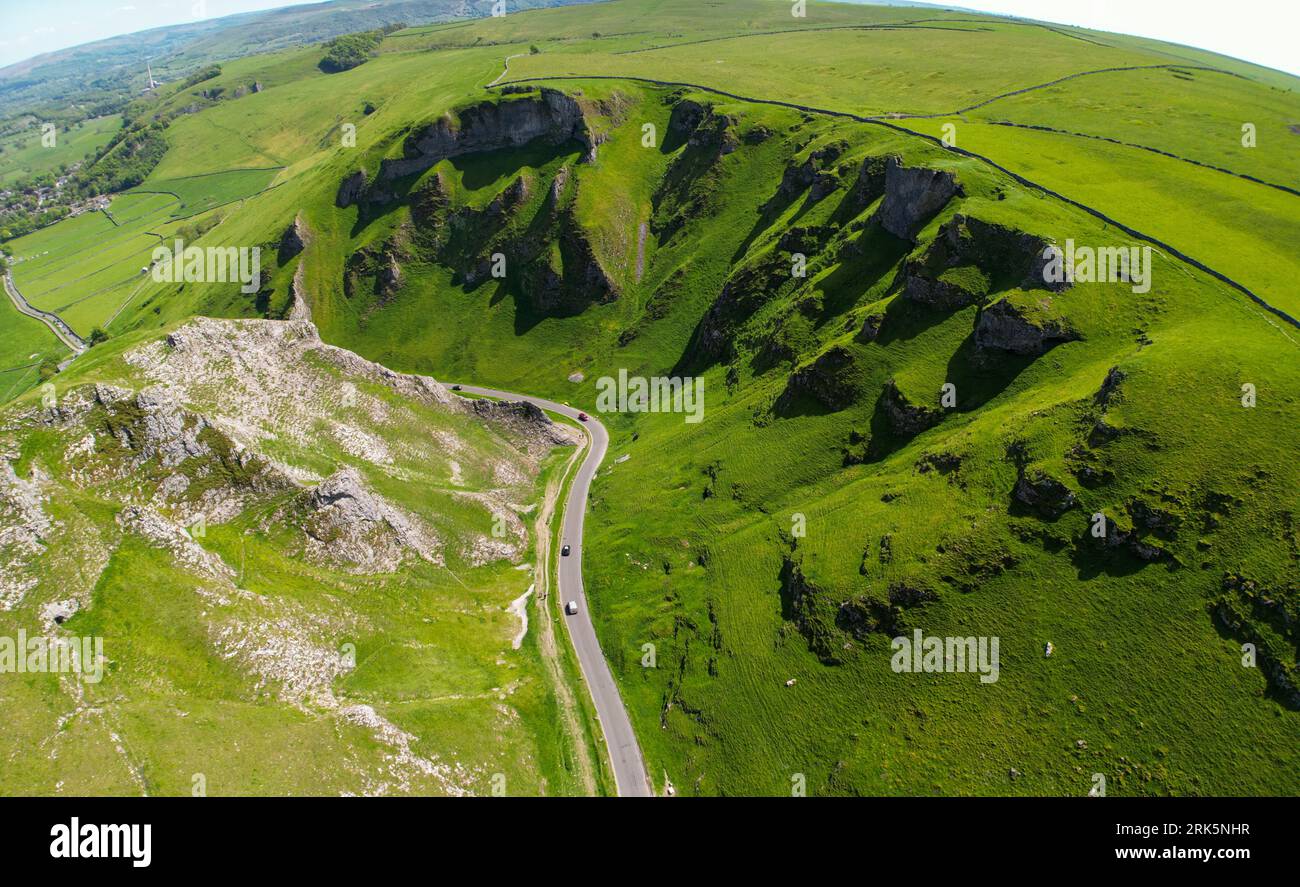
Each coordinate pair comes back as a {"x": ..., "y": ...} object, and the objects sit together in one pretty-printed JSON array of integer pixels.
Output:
[
  {"x": 299, "y": 306},
  {"x": 834, "y": 630},
  {"x": 814, "y": 175},
  {"x": 194, "y": 442},
  {"x": 1043, "y": 494},
  {"x": 905, "y": 418},
  {"x": 971, "y": 258},
  {"x": 294, "y": 240},
  {"x": 346, "y": 525},
  {"x": 351, "y": 189},
  {"x": 744, "y": 293},
  {"x": 689, "y": 186},
  {"x": 1268, "y": 617},
  {"x": 270, "y": 502},
  {"x": 1008, "y": 325},
  {"x": 527, "y": 420},
  {"x": 549, "y": 256},
  {"x": 913, "y": 195},
  {"x": 551, "y": 115},
  {"x": 807, "y": 606},
  {"x": 831, "y": 380},
  {"x": 868, "y": 186}
]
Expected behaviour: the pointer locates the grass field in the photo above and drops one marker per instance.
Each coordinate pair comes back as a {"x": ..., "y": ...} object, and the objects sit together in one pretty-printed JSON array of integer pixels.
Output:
[
  {"x": 1176, "y": 110},
  {"x": 83, "y": 268},
  {"x": 198, "y": 194},
  {"x": 27, "y": 343},
  {"x": 88, "y": 269},
  {"x": 24, "y": 155}
]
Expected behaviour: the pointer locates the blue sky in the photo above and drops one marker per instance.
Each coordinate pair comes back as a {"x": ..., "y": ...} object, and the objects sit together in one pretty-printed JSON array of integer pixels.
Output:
[
  {"x": 1262, "y": 31},
  {"x": 31, "y": 27}
]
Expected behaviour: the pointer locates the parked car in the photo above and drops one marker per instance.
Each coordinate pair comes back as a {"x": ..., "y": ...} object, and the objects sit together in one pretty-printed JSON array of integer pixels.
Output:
[
  {"x": 564, "y": 552},
  {"x": 571, "y": 608}
]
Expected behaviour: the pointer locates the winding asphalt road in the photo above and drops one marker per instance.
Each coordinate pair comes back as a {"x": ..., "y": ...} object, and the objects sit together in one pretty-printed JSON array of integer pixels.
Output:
[
  {"x": 624, "y": 752},
  {"x": 53, "y": 321}
]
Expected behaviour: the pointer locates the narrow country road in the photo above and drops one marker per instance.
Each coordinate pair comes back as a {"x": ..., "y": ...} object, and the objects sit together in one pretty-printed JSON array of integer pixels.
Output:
[
  {"x": 624, "y": 752},
  {"x": 53, "y": 321},
  {"x": 506, "y": 69}
]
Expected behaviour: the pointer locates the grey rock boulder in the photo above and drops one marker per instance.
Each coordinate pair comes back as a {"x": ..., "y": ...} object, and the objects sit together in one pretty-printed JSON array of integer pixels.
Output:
[
  {"x": 351, "y": 189},
  {"x": 550, "y": 115},
  {"x": 1008, "y": 327},
  {"x": 913, "y": 196}
]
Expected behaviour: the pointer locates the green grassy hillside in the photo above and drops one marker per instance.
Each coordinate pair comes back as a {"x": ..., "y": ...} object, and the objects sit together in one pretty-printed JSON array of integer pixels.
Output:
[
  {"x": 28, "y": 344},
  {"x": 685, "y": 163}
]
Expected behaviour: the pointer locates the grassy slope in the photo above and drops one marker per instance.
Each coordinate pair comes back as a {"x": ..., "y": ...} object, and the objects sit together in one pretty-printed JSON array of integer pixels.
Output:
[
  {"x": 730, "y": 724},
  {"x": 296, "y": 120},
  {"x": 651, "y": 527},
  {"x": 932, "y": 72},
  {"x": 1179, "y": 111},
  {"x": 26, "y": 343}
]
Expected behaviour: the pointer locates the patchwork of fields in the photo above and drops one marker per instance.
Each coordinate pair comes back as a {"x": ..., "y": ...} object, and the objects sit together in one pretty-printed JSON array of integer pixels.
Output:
[
  {"x": 25, "y": 154},
  {"x": 90, "y": 269}
]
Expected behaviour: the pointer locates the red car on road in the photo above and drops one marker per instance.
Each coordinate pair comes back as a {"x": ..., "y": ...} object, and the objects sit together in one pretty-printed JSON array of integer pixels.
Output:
[{"x": 582, "y": 417}]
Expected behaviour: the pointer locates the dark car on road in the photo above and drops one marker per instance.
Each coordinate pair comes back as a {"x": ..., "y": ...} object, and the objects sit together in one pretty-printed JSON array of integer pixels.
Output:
[{"x": 564, "y": 552}]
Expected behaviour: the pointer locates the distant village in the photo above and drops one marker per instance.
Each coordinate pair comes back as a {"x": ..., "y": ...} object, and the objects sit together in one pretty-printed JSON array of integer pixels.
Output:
[{"x": 31, "y": 204}]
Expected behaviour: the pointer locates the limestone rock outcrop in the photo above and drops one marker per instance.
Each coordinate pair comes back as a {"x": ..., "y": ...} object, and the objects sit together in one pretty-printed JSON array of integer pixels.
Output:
[
  {"x": 831, "y": 380},
  {"x": 551, "y": 115},
  {"x": 1009, "y": 325},
  {"x": 913, "y": 195},
  {"x": 971, "y": 258},
  {"x": 294, "y": 240},
  {"x": 351, "y": 189},
  {"x": 905, "y": 418}
]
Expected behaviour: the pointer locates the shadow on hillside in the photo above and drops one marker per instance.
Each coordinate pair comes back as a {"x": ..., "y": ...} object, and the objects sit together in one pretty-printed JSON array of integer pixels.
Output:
[
  {"x": 796, "y": 406},
  {"x": 981, "y": 376},
  {"x": 862, "y": 265},
  {"x": 1091, "y": 560},
  {"x": 483, "y": 169},
  {"x": 526, "y": 317},
  {"x": 1272, "y": 691},
  {"x": 905, "y": 320},
  {"x": 768, "y": 213},
  {"x": 883, "y": 441},
  {"x": 477, "y": 171}
]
